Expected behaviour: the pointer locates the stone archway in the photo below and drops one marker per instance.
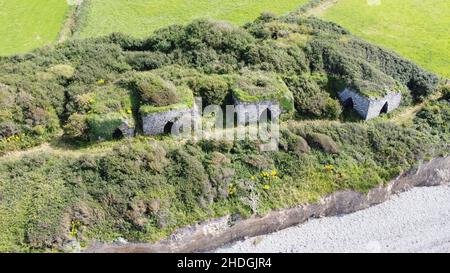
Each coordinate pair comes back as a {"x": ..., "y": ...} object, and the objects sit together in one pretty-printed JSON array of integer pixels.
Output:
[
  {"x": 349, "y": 104},
  {"x": 118, "y": 134},
  {"x": 168, "y": 128},
  {"x": 266, "y": 116},
  {"x": 385, "y": 108}
]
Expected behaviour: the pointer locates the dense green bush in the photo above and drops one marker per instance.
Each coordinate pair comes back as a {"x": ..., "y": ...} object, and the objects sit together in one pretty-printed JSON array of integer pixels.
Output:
[
  {"x": 141, "y": 61},
  {"x": 211, "y": 88},
  {"x": 311, "y": 100},
  {"x": 190, "y": 177},
  {"x": 323, "y": 142},
  {"x": 298, "y": 145},
  {"x": 76, "y": 126},
  {"x": 435, "y": 117},
  {"x": 446, "y": 92},
  {"x": 154, "y": 90}
]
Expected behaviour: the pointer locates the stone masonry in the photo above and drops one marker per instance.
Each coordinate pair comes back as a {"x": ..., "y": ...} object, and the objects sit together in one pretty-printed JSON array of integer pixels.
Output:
[
  {"x": 369, "y": 108},
  {"x": 155, "y": 123},
  {"x": 126, "y": 129},
  {"x": 250, "y": 112}
]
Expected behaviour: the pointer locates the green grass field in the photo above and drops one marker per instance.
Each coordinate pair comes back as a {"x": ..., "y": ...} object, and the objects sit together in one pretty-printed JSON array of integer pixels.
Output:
[
  {"x": 417, "y": 29},
  {"x": 141, "y": 17},
  {"x": 28, "y": 24}
]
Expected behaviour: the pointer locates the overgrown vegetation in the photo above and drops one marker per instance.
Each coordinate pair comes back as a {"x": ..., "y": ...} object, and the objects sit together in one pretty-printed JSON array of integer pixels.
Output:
[{"x": 143, "y": 189}]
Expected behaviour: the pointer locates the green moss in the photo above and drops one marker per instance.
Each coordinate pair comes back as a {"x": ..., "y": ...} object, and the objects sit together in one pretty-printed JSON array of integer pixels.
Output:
[
  {"x": 102, "y": 127},
  {"x": 259, "y": 86},
  {"x": 186, "y": 102}
]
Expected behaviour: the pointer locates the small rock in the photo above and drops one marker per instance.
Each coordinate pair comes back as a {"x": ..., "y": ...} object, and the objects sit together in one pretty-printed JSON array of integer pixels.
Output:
[{"x": 121, "y": 241}]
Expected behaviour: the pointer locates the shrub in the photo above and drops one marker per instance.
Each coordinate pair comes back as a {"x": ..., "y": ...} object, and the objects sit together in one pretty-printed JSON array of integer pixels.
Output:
[
  {"x": 62, "y": 70},
  {"x": 311, "y": 100},
  {"x": 436, "y": 118},
  {"x": 298, "y": 145},
  {"x": 7, "y": 129},
  {"x": 324, "y": 142},
  {"x": 269, "y": 57},
  {"x": 76, "y": 126},
  {"x": 212, "y": 88},
  {"x": 146, "y": 60},
  {"x": 446, "y": 92},
  {"x": 154, "y": 90},
  {"x": 188, "y": 173},
  {"x": 126, "y": 42}
]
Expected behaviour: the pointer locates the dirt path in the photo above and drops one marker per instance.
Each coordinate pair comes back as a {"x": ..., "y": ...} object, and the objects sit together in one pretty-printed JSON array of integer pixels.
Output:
[
  {"x": 69, "y": 25},
  {"x": 321, "y": 8},
  {"x": 408, "y": 114},
  {"x": 48, "y": 148}
]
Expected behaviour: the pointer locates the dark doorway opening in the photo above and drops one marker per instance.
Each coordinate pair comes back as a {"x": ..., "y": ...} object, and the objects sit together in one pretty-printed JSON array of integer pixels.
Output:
[
  {"x": 247, "y": 119},
  {"x": 348, "y": 104},
  {"x": 117, "y": 134},
  {"x": 168, "y": 128},
  {"x": 266, "y": 116},
  {"x": 236, "y": 119},
  {"x": 384, "y": 110}
]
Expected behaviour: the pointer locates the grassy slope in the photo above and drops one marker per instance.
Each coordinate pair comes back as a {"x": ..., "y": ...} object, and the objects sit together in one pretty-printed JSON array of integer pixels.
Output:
[
  {"x": 141, "y": 17},
  {"x": 417, "y": 29},
  {"x": 25, "y": 25}
]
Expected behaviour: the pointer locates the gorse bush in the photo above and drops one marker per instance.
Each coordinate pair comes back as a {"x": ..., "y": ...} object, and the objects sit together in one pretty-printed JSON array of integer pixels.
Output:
[
  {"x": 211, "y": 88},
  {"x": 311, "y": 99},
  {"x": 154, "y": 90},
  {"x": 143, "y": 190},
  {"x": 41, "y": 90}
]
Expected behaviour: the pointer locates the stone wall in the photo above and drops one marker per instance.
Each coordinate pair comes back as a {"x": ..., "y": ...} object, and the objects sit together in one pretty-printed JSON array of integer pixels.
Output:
[
  {"x": 369, "y": 108},
  {"x": 360, "y": 103},
  {"x": 154, "y": 123},
  {"x": 250, "y": 113},
  {"x": 127, "y": 130},
  {"x": 393, "y": 101}
]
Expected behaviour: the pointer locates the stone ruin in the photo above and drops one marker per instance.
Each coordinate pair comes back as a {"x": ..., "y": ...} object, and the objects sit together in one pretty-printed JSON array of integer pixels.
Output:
[
  {"x": 177, "y": 120},
  {"x": 168, "y": 122},
  {"x": 252, "y": 112},
  {"x": 125, "y": 130},
  {"x": 368, "y": 107}
]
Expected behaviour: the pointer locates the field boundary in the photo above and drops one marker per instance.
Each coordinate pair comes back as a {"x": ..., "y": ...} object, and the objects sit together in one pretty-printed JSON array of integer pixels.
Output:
[
  {"x": 72, "y": 22},
  {"x": 320, "y": 7},
  {"x": 315, "y": 7}
]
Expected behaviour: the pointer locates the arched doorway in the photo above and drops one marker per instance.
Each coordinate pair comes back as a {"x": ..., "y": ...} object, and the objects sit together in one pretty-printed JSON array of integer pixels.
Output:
[
  {"x": 168, "y": 128},
  {"x": 385, "y": 108},
  {"x": 349, "y": 104},
  {"x": 266, "y": 116},
  {"x": 117, "y": 134}
]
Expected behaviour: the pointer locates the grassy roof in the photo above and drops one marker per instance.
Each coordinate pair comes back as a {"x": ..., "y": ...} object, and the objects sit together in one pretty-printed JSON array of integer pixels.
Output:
[
  {"x": 109, "y": 107},
  {"x": 254, "y": 86},
  {"x": 186, "y": 101}
]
